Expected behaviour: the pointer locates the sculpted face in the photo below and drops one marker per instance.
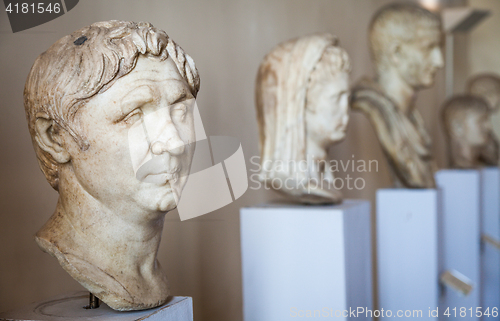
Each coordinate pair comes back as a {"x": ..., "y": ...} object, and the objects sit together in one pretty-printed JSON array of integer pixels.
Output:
[
  {"x": 418, "y": 61},
  {"x": 477, "y": 129},
  {"x": 111, "y": 111},
  {"x": 327, "y": 104},
  {"x": 156, "y": 99}
]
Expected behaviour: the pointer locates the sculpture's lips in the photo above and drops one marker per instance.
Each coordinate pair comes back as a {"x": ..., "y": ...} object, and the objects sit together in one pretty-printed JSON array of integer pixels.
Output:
[
  {"x": 157, "y": 169},
  {"x": 162, "y": 178}
]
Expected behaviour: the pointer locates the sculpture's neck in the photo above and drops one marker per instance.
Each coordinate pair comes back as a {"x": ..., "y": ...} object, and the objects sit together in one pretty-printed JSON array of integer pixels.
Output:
[
  {"x": 108, "y": 255},
  {"x": 398, "y": 90},
  {"x": 95, "y": 231},
  {"x": 315, "y": 150},
  {"x": 463, "y": 155}
]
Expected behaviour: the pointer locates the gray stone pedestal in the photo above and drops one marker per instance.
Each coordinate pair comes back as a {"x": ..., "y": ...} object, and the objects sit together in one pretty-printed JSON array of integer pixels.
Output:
[{"x": 70, "y": 307}]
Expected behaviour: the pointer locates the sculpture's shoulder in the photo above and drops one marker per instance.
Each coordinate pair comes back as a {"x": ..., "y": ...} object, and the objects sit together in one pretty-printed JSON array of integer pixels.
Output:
[
  {"x": 59, "y": 239},
  {"x": 367, "y": 97}
]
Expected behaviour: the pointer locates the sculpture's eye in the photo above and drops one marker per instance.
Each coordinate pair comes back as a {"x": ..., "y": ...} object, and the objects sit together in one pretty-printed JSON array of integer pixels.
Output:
[
  {"x": 179, "y": 111},
  {"x": 133, "y": 117}
]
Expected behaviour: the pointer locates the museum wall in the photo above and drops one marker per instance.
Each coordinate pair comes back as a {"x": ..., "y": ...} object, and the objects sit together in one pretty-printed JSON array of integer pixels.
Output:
[
  {"x": 227, "y": 39},
  {"x": 484, "y": 46}
]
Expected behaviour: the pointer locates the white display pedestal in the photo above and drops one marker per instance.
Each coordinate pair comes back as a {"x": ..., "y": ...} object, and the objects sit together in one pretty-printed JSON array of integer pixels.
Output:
[
  {"x": 407, "y": 251},
  {"x": 70, "y": 307},
  {"x": 490, "y": 188},
  {"x": 461, "y": 235},
  {"x": 306, "y": 261}
]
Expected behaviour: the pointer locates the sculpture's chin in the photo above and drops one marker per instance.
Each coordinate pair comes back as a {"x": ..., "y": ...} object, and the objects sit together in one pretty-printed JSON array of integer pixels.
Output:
[
  {"x": 338, "y": 136},
  {"x": 428, "y": 81},
  {"x": 167, "y": 203}
]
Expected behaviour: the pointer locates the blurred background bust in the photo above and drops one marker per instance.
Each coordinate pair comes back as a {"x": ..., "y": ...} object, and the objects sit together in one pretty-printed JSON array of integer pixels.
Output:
[
  {"x": 302, "y": 92},
  {"x": 405, "y": 43},
  {"x": 472, "y": 144},
  {"x": 486, "y": 86}
]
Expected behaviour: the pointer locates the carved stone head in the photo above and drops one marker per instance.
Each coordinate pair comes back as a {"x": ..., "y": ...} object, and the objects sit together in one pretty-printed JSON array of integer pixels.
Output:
[
  {"x": 302, "y": 109},
  {"x": 110, "y": 112},
  {"x": 488, "y": 87},
  {"x": 405, "y": 41},
  {"x": 468, "y": 129}
]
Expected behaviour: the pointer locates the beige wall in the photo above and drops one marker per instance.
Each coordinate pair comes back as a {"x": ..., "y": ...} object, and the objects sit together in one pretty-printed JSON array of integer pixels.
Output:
[
  {"x": 227, "y": 39},
  {"x": 484, "y": 49}
]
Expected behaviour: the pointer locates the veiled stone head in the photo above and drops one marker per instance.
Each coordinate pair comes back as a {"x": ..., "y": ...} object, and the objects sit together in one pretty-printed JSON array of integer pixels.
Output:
[
  {"x": 302, "y": 107},
  {"x": 468, "y": 129},
  {"x": 405, "y": 39},
  {"x": 488, "y": 87},
  {"x": 86, "y": 93}
]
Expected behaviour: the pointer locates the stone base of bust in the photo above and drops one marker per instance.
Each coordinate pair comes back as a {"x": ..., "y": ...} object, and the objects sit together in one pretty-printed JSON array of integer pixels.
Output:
[
  {"x": 120, "y": 290},
  {"x": 313, "y": 193},
  {"x": 69, "y": 306}
]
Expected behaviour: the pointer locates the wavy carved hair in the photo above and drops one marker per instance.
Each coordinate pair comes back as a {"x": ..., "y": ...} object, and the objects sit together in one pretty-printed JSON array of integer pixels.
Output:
[{"x": 86, "y": 63}]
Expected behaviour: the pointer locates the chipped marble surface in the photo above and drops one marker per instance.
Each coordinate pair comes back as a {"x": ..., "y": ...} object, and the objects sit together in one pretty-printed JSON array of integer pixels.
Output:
[{"x": 82, "y": 97}]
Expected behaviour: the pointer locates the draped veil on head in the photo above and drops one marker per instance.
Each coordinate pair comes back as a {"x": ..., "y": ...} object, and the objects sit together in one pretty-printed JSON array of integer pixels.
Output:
[{"x": 281, "y": 92}]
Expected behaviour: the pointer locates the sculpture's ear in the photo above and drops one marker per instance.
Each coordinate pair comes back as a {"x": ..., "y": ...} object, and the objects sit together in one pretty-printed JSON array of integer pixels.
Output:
[
  {"x": 48, "y": 139},
  {"x": 457, "y": 129},
  {"x": 395, "y": 52}
]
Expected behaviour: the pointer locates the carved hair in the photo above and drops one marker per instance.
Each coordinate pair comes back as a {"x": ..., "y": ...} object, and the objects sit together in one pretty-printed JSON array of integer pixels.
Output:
[
  {"x": 398, "y": 22},
  {"x": 484, "y": 84},
  {"x": 456, "y": 111},
  {"x": 460, "y": 107},
  {"x": 86, "y": 63},
  {"x": 281, "y": 91}
]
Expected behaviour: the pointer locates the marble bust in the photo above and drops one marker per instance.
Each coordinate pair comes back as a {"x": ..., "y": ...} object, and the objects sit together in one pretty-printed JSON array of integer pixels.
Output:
[
  {"x": 486, "y": 86},
  {"x": 472, "y": 144},
  {"x": 405, "y": 43},
  {"x": 83, "y": 97},
  {"x": 302, "y": 109}
]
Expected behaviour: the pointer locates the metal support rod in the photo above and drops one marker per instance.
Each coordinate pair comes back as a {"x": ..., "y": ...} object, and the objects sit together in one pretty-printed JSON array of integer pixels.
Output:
[
  {"x": 488, "y": 239},
  {"x": 94, "y": 302},
  {"x": 449, "y": 64}
]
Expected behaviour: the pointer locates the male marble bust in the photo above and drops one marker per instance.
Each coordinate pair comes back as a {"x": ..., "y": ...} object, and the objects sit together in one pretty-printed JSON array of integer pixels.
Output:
[
  {"x": 405, "y": 43},
  {"x": 82, "y": 98},
  {"x": 471, "y": 142},
  {"x": 302, "y": 104},
  {"x": 487, "y": 86}
]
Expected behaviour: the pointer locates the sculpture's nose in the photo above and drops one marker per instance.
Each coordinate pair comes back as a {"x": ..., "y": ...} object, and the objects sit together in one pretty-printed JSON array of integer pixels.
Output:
[
  {"x": 167, "y": 138},
  {"x": 437, "y": 56},
  {"x": 173, "y": 145}
]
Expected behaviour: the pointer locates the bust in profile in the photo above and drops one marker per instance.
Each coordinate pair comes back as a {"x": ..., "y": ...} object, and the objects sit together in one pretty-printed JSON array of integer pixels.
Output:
[
  {"x": 84, "y": 98},
  {"x": 405, "y": 43},
  {"x": 472, "y": 144},
  {"x": 486, "y": 86},
  {"x": 302, "y": 109}
]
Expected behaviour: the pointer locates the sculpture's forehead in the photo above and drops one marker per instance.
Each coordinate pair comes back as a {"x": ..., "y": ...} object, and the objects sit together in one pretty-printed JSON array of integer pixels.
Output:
[
  {"x": 152, "y": 69},
  {"x": 151, "y": 78},
  {"x": 150, "y": 72},
  {"x": 428, "y": 33}
]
